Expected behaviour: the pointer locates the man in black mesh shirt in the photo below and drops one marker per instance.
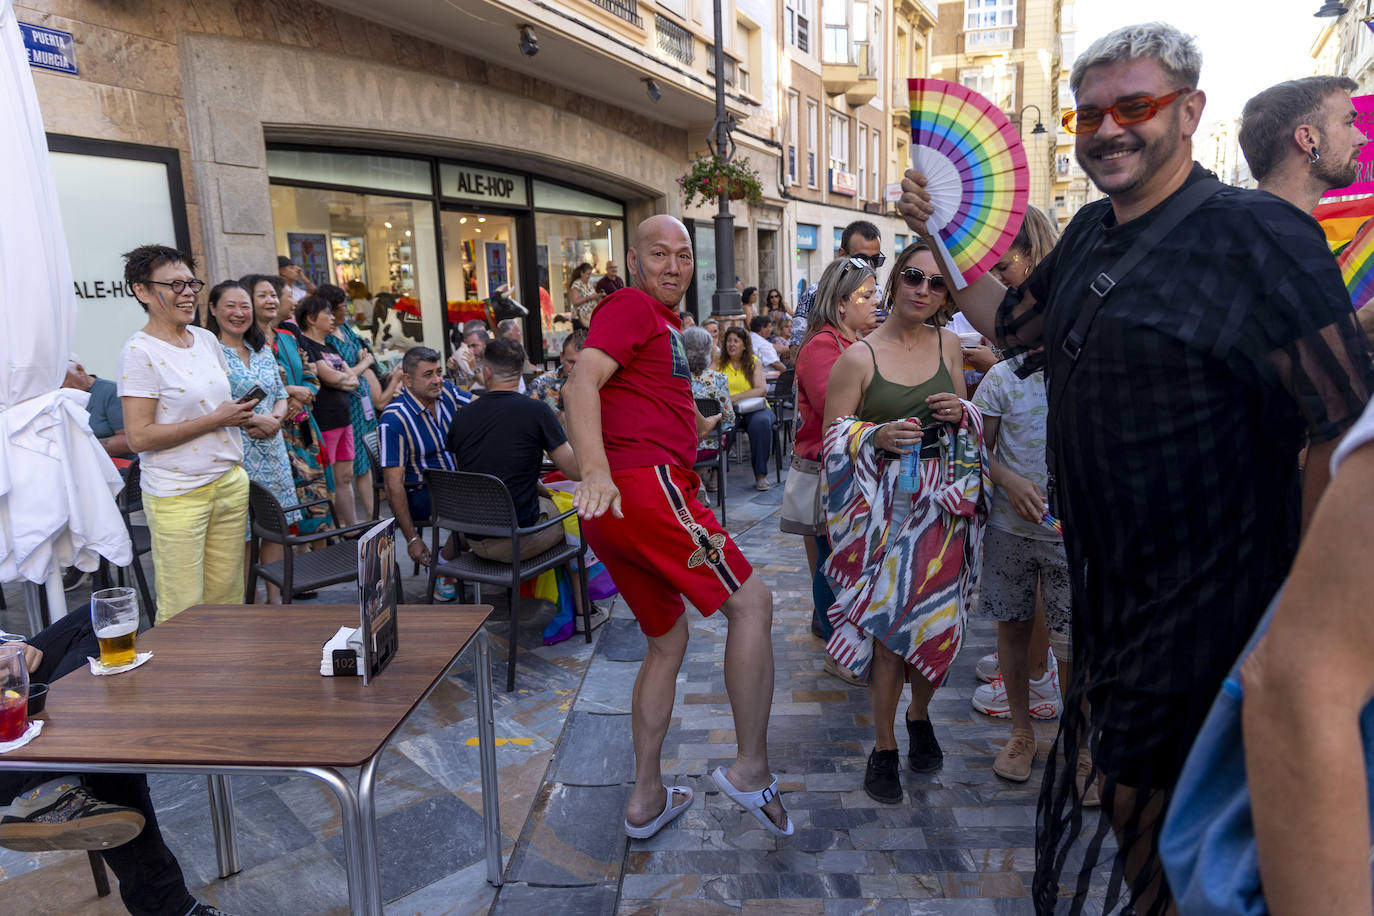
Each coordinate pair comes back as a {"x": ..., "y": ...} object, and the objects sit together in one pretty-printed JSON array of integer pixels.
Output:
[{"x": 1175, "y": 437}]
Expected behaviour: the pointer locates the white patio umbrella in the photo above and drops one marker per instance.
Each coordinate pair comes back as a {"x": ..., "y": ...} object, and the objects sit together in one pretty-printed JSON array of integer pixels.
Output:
[{"x": 57, "y": 484}]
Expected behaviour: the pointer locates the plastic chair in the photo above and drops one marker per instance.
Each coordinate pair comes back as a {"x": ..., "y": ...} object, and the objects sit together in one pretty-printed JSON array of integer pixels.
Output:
[
  {"x": 373, "y": 450},
  {"x": 781, "y": 402},
  {"x": 480, "y": 504},
  {"x": 130, "y": 500},
  {"x": 313, "y": 569},
  {"x": 718, "y": 457}
]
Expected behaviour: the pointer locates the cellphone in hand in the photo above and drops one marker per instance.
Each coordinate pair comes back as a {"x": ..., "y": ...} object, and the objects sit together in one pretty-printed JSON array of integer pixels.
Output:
[{"x": 256, "y": 393}]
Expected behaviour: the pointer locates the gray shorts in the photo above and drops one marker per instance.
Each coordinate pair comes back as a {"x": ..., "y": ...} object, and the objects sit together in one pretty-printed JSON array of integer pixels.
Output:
[{"x": 1011, "y": 566}]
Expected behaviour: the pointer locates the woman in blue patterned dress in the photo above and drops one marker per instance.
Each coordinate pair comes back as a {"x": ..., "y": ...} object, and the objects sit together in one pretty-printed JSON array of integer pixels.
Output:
[{"x": 251, "y": 363}]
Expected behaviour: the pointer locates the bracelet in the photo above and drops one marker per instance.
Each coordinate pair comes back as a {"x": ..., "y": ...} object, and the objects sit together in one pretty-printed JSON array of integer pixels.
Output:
[{"x": 414, "y": 539}]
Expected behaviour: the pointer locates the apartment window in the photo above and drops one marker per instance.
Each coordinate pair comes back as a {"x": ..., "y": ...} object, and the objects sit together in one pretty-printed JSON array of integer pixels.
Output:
[
  {"x": 863, "y": 162},
  {"x": 813, "y": 132},
  {"x": 673, "y": 40},
  {"x": 625, "y": 9},
  {"x": 835, "y": 19},
  {"x": 877, "y": 170},
  {"x": 797, "y": 20},
  {"x": 792, "y": 115},
  {"x": 744, "y": 47},
  {"x": 995, "y": 82},
  {"x": 989, "y": 14},
  {"x": 839, "y": 142}
]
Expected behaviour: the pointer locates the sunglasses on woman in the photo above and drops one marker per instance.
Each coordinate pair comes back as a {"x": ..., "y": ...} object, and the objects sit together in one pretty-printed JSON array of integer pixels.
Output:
[
  {"x": 914, "y": 277},
  {"x": 1134, "y": 110}
]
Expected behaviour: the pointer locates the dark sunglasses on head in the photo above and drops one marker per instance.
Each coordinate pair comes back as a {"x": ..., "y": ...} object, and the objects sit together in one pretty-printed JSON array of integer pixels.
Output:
[
  {"x": 1126, "y": 111},
  {"x": 872, "y": 260},
  {"x": 914, "y": 277}
]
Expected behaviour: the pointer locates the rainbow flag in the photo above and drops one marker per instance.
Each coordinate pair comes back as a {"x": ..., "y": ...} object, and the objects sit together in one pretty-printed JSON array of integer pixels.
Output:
[{"x": 1356, "y": 260}]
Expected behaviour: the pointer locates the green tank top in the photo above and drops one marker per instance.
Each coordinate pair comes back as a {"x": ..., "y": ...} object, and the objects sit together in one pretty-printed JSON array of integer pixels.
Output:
[{"x": 885, "y": 401}]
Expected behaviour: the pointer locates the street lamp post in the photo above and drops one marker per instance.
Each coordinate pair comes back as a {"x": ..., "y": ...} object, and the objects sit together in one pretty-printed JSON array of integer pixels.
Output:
[{"x": 725, "y": 301}]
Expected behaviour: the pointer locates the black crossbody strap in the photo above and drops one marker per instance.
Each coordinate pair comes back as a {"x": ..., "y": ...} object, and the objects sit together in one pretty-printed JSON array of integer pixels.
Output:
[{"x": 1192, "y": 197}]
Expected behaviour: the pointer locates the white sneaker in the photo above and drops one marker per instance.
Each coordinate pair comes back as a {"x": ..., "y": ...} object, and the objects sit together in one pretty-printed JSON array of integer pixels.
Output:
[
  {"x": 1045, "y": 701},
  {"x": 988, "y": 668}
]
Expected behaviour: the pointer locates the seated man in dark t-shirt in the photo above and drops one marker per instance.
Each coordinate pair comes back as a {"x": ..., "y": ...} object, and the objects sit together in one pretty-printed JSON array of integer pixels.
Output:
[{"x": 505, "y": 434}]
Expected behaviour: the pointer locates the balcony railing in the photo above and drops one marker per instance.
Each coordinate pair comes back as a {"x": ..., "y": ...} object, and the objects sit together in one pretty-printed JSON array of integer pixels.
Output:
[
  {"x": 625, "y": 9},
  {"x": 673, "y": 40},
  {"x": 987, "y": 40}
]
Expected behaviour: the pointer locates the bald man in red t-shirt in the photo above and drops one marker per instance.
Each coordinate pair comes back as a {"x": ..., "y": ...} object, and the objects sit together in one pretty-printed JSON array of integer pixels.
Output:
[{"x": 634, "y": 428}]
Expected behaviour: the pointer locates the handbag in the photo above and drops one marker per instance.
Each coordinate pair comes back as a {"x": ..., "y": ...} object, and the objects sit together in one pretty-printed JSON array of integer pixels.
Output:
[{"x": 802, "y": 509}]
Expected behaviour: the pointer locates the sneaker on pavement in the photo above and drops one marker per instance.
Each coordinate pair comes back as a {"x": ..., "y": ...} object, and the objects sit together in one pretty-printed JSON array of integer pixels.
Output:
[
  {"x": 1016, "y": 758},
  {"x": 63, "y": 814},
  {"x": 205, "y": 909},
  {"x": 988, "y": 668},
  {"x": 1045, "y": 702},
  {"x": 1088, "y": 781},
  {"x": 599, "y": 616},
  {"x": 445, "y": 589},
  {"x": 883, "y": 780},
  {"x": 923, "y": 752},
  {"x": 835, "y": 669}
]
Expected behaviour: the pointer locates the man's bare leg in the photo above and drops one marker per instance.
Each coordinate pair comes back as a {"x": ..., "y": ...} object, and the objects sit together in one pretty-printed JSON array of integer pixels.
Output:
[
  {"x": 749, "y": 683},
  {"x": 1013, "y": 639},
  {"x": 651, "y": 710},
  {"x": 922, "y": 691},
  {"x": 1137, "y": 836}
]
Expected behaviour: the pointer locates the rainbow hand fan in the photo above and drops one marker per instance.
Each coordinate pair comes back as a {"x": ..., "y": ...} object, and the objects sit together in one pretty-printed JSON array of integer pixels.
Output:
[{"x": 976, "y": 174}]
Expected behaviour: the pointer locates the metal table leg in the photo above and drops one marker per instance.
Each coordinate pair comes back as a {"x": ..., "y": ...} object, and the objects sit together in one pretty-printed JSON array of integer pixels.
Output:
[
  {"x": 222, "y": 820},
  {"x": 359, "y": 901},
  {"x": 486, "y": 736},
  {"x": 367, "y": 810}
]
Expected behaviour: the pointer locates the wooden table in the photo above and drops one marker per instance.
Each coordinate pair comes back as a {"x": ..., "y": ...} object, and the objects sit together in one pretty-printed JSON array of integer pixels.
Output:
[{"x": 237, "y": 689}]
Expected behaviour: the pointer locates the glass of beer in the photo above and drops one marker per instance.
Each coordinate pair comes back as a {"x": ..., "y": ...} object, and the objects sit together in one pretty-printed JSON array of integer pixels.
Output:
[
  {"x": 114, "y": 617},
  {"x": 14, "y": 692}
]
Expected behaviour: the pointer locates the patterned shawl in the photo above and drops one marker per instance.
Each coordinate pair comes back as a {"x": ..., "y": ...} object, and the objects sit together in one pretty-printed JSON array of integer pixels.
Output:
[{"x": 909, "y": 586}]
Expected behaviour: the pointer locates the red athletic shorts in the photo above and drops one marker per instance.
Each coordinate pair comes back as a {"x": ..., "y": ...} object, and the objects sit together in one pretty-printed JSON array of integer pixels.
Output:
[{"x": 667, "y": 547}]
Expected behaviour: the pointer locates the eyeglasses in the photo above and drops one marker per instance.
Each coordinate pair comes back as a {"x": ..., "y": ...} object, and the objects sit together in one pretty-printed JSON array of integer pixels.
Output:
[
  {"x": 872, "y": 260},
  {"x": 180, "y": 286},
  {"x": 1125, "y": 111},
  {"x": 914, "y": 277}
]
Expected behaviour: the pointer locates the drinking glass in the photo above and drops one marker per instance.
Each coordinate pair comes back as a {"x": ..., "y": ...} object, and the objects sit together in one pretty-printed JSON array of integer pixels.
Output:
[
  {"x": 114, "y": 617},
  {"x": 14, "y": 692}
]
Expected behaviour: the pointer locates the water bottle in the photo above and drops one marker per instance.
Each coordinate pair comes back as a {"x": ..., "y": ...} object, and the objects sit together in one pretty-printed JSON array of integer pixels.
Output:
[{"x": 909, "y": 474}]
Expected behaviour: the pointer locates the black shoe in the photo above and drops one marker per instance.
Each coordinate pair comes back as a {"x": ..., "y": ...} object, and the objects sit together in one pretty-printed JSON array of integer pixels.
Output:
[
  {"x": 816, "y": 632},
  {"x": 205, "y": 909},
  {"x": 65, "y": 815},
  {"x": 883, "y": 782},
  {"x": 924, "y": 753}
]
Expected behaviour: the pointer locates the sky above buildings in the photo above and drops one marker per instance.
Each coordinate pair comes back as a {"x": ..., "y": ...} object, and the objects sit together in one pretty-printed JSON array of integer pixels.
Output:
[{"x": 1246, "y": 47}]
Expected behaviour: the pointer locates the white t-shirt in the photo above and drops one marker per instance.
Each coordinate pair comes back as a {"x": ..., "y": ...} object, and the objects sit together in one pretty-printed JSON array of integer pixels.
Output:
[
  {"x": 188, "y": 382},
  {"x": 1022, "y": 408},
  {"x": 764, "y": 350},
  {"x": 1359, "y": 435}
]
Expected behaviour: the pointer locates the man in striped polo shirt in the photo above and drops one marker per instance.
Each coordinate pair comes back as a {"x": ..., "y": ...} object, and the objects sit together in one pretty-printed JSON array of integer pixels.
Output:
[{"x": 411, "y": 438}]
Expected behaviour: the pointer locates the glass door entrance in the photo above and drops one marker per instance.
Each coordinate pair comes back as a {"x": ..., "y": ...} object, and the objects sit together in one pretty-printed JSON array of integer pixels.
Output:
[{"x": 481, "y": 260}]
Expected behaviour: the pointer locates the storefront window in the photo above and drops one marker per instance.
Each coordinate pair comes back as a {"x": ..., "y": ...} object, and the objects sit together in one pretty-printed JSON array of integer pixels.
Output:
[
  {"x": 561, "y": 244},
  {"x": 480, "y": 259},
  {"x": 379, "y": 248}
]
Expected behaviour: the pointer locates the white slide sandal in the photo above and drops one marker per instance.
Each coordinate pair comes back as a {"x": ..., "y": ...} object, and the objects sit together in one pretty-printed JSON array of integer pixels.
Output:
[
  {"x": 644, "y": 831},
  {"x": 753, "y": 802}
]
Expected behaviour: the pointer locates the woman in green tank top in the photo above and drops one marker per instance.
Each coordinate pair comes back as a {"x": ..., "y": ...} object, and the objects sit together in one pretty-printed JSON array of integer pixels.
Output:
[{"x": 907, "y": 374}]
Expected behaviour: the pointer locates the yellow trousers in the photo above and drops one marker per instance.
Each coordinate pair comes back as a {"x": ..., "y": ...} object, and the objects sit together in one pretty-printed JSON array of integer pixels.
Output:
[{"x": 198, "y": 544}]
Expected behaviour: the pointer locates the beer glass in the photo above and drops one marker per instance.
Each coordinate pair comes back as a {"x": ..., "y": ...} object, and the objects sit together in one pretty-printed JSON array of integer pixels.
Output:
[
  {"x": 114, "y": 617},
  {"x": 14, "y": 692}
]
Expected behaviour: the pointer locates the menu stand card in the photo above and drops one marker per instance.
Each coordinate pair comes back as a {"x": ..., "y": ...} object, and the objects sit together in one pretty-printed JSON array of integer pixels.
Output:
[{"x": 377, "y": 597}]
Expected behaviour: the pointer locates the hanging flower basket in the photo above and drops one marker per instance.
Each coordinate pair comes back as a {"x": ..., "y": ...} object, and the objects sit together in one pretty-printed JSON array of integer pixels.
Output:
[{"x": 710, "y": 176}]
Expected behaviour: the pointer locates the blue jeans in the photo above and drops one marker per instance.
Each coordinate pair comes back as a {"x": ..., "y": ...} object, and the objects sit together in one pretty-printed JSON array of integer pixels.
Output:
[
  {"x": 759, "y": 426},
  {"x": 822, "y": 595}
]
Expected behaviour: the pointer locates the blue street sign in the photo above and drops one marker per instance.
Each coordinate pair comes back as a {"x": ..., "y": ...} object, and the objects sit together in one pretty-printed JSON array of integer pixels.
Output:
[
  {"x": 49, "y": 48},
  {"x": 806, "y": 236}
]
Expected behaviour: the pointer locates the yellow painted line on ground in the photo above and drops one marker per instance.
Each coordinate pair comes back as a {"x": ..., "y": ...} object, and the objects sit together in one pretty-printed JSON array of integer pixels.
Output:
[{"x": 523, "y": 742}]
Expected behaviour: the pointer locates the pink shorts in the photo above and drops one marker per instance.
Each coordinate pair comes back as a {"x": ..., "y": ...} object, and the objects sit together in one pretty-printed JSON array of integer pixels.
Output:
[{"x": 338, "y": 444}]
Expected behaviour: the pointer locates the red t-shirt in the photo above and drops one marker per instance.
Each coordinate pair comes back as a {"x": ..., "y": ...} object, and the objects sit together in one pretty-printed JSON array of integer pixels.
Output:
[
  {"x": 648, "y": 416},
  {"x": 814, "y": 363}
]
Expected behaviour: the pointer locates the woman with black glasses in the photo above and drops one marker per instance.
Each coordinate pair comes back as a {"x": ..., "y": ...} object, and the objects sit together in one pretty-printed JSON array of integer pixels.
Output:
[
  {"x": 904, "y": 538},
  {"x": 180, "y": 417}
]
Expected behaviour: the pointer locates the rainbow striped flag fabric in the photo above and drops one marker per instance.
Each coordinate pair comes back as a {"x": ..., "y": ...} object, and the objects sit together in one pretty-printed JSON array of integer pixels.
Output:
[{"x": 1357, "y": 265}]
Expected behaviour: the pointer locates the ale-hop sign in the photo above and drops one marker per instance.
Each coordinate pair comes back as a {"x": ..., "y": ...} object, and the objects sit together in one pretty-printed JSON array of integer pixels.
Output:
[{"x": 1364, "y": 119}]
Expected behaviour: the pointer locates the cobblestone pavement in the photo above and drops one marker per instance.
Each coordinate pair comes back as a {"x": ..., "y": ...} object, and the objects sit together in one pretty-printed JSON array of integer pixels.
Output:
[{"x": 960, "y": 842}]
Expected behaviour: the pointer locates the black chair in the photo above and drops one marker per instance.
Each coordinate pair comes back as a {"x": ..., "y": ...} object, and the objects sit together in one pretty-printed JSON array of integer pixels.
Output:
[
  {"x": 479, "y": 504},
  {"x": 373, "y": 450},
  {"x": 312, "y": 569},
  {"x": 784, "y": 408},
  {"x": 130, "y": 500},
  {"x": 718, "y": 457}
]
